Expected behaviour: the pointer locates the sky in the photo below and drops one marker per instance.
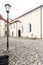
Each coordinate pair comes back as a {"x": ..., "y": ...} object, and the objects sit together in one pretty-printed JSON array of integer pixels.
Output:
[{"x": 18, "y": 7}]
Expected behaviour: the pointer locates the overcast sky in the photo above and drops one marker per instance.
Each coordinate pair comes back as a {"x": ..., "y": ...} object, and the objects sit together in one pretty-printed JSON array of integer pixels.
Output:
[{"x": 18, "y": 7}]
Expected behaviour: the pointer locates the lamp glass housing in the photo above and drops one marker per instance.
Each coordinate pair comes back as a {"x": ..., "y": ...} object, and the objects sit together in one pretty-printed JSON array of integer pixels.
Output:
[{"x": 7, "y": 7}]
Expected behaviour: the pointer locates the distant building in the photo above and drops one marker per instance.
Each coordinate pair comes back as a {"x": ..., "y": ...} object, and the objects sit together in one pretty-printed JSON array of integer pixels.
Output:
[
  {"x": 14, "y": 26},
  {"x": 2, "y": 26},
  {"x": 29, "y": 24}
]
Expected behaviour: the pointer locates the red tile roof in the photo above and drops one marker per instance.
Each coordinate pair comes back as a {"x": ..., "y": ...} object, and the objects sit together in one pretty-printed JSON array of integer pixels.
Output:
[{"x": 1, "y": 18}]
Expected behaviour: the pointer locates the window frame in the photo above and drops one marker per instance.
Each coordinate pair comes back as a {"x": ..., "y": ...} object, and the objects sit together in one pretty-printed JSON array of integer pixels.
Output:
[{"x": 30, "y": 27}]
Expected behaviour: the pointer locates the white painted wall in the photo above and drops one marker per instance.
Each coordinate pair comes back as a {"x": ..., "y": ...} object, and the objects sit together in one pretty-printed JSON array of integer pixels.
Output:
[
  {"x": 33, "y": 18},
  {"x": 2, "y": 28},
  {"x": 12, "y": 28}
]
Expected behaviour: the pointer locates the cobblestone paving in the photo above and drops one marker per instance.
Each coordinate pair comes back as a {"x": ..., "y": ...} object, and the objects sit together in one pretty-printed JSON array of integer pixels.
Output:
[
  {"x": 26, "y": 52},
  {"x": 27, "y": 56}
]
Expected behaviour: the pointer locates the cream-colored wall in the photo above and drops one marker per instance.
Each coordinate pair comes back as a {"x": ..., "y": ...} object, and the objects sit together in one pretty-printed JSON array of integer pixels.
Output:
[
  {"x": 2, "y": 28},
  {"x": 12, "y": 29},
  {"x": 33, "y": 18}
]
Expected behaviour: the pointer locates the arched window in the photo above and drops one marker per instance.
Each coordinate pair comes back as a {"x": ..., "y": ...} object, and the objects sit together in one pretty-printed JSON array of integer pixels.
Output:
[{"x": 29, "y": 27}]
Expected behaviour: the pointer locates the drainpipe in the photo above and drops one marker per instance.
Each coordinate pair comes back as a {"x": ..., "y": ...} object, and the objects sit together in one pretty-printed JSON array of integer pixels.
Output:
[{"x": 41, "y": 21}]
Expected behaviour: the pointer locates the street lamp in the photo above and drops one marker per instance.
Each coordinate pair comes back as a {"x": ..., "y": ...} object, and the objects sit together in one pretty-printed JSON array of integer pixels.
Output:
[{"x": 7, "y": 7}]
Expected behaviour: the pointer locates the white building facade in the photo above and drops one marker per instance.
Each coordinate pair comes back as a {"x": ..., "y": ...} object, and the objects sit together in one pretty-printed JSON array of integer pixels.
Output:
[
  {"x": 29, "y": 24},
  {"x": 2, "y": 26}
]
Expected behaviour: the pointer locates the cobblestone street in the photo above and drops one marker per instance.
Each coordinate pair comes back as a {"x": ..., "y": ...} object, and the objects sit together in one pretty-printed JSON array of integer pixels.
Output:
[{"x": 23, "y": 51}]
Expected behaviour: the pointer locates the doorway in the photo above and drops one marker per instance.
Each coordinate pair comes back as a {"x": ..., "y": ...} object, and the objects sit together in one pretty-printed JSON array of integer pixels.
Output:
[
  {"x": 19, "y": 33},
  {"x": 12, "y": 34},
  {"x": 5, "y": 33}
]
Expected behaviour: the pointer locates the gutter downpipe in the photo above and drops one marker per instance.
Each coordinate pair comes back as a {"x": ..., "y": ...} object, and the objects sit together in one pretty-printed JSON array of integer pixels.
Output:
[{"x": 41, "y": 21}]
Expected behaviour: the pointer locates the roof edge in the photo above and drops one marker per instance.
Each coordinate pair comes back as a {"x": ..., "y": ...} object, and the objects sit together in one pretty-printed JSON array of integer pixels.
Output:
[{"x": 29, "y": 12}]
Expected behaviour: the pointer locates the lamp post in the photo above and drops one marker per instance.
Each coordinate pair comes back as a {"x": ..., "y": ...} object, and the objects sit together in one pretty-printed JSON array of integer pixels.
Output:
[{"x": 7, "y": 7}]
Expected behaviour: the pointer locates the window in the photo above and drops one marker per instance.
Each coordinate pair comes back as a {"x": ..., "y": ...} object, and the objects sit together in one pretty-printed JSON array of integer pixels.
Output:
[
  {"x": 29, "y": 27},
  {"x": 5, "y": 25},
  {"x": 22, "y": 28},
  {"x": 14, "y": 26},
  {"x": 5, "y": 32},
  {"x": 11, "y": 26}
]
